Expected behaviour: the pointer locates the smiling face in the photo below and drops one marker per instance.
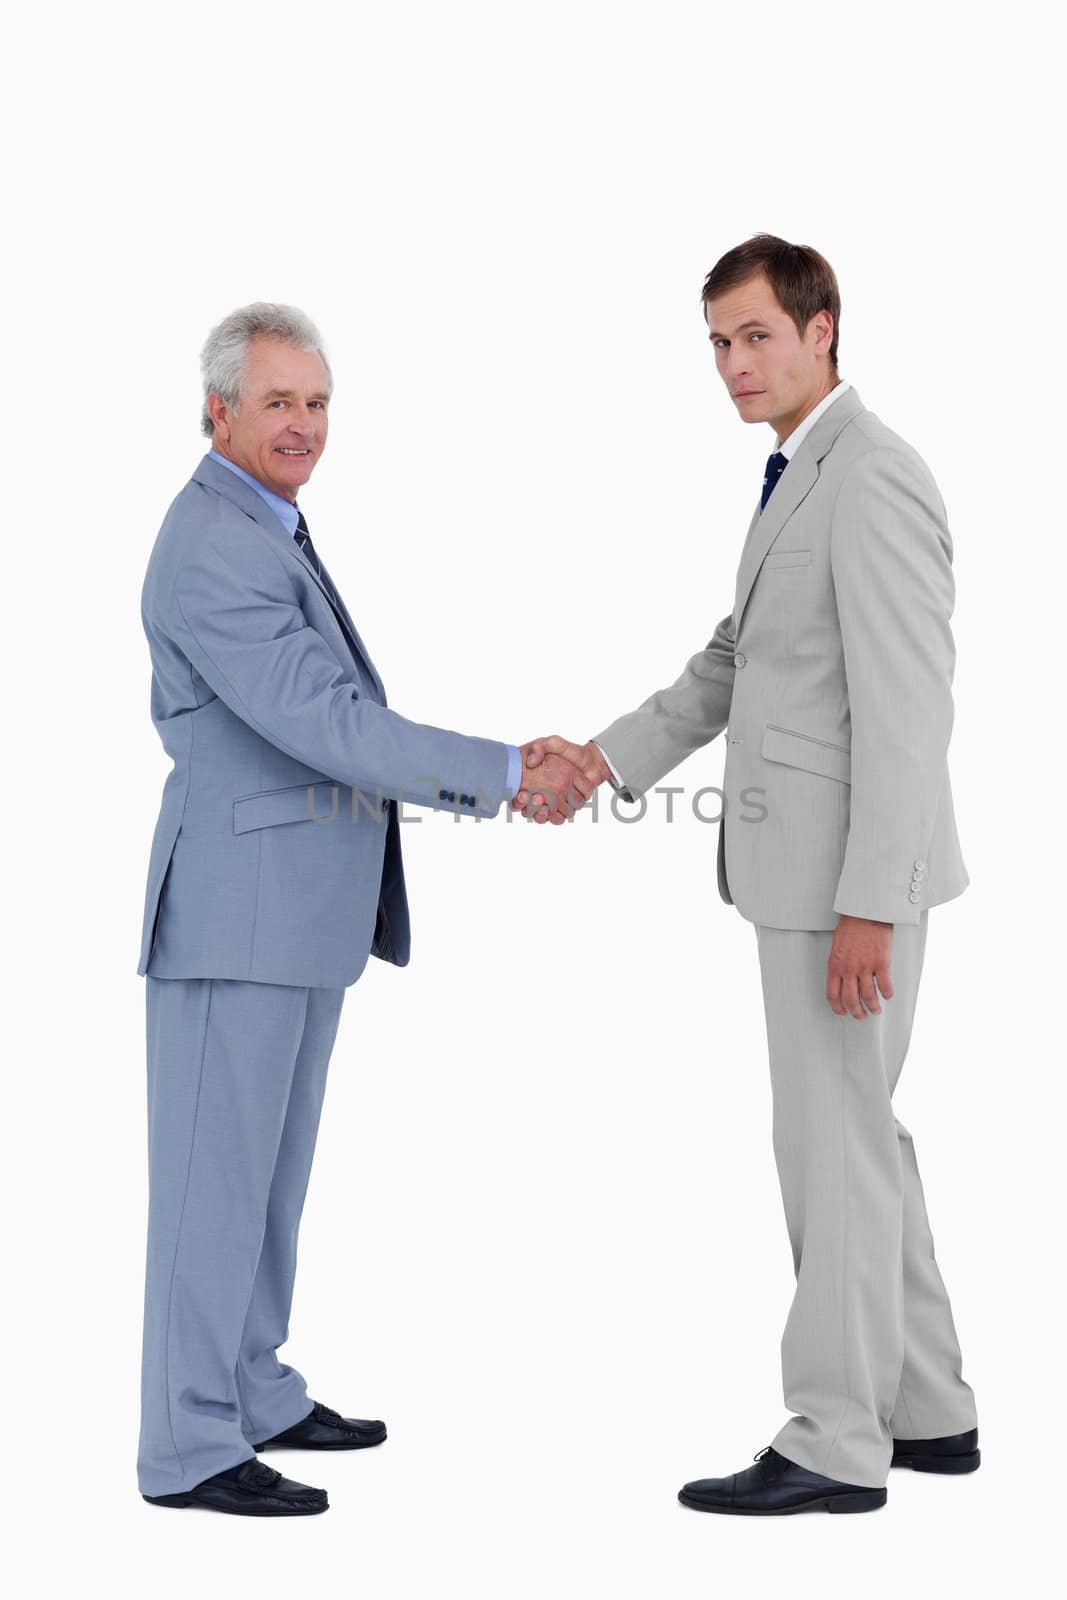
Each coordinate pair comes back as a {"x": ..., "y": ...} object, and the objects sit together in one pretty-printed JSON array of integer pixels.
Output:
[
  {"x": 773, "y": 374},
  {"x": 279, "y": 430}
]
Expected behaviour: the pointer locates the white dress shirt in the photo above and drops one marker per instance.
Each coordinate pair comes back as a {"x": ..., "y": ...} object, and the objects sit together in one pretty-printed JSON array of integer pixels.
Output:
[{"x": 789, "y": 449}]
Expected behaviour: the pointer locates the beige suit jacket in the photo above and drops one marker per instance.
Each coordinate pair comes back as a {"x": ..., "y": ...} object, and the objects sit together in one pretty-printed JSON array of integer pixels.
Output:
[{"x": 832, "y": 678}]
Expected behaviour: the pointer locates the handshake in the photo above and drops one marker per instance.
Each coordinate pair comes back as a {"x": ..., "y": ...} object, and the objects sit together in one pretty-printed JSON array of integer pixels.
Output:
[{"x": 558, "y": 778}]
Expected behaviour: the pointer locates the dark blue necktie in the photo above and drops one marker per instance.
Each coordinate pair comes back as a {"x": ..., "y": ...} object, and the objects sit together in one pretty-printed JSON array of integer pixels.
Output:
[
  {"x": 776, "y": 465},
  {"x": 303, "y": 539}
]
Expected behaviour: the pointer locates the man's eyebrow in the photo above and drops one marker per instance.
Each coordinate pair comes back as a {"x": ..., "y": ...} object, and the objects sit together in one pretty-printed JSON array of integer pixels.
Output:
[
  {"x": 753, "y": 322},
  {"x": 287, "y": 394}
]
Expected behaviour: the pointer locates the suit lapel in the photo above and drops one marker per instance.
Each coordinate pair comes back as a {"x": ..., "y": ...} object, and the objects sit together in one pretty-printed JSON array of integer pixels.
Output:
[
  {"x": 792, "y": 489},
  {"x": 341, "y": 612},
  {"x": 242, "y": 495}
]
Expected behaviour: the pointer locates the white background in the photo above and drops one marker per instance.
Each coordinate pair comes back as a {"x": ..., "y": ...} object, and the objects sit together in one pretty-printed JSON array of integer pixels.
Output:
[{"x": 544, "y": 1235}]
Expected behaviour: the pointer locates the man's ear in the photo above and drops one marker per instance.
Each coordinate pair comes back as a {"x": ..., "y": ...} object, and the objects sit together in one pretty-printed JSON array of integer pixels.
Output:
[{"x": 219, "y": 412}]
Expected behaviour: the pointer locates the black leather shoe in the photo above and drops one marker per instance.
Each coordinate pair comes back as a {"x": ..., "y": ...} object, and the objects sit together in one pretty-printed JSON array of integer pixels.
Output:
[
  {"x": 775, "y": 1487},
  {"x": 323, "y": 1429},
  {"x": 251, "y": 1490},
  {"x": 956, "y": 1452}
]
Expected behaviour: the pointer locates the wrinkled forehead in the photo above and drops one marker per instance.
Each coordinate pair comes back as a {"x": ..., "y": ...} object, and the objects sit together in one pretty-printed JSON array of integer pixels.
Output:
[{"x": 272, "y": 364}]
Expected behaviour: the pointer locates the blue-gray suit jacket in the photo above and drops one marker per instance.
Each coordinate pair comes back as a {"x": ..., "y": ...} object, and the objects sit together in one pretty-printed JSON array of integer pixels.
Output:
[{"x": 269, "y": 705}]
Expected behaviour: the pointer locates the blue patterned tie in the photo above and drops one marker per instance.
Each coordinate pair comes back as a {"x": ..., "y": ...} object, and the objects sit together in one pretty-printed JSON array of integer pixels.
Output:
[
  {"x": 776, "y": 465},
  {"x": 303, "y": 539}
]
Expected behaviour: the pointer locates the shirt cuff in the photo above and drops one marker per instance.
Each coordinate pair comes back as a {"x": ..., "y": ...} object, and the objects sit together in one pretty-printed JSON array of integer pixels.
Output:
[
  {"x": 514, "y": 769},
  {"x": 615, "y": 773}
]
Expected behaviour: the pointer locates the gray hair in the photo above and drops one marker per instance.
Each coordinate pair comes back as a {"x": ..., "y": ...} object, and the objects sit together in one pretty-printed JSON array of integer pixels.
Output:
[{"x": 225, "y": 352}]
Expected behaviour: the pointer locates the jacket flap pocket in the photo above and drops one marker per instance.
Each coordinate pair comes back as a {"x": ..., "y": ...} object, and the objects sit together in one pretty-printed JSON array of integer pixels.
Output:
[
  {"x": 804, "y": 750},
  {"x": 304, "y": 802},
  {"x": 788, "y": 558}
]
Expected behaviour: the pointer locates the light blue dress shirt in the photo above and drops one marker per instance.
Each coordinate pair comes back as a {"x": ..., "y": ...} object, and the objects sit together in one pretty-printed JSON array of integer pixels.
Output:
[
  {"x": 287, "y": 511},
  {"x": 288, "y": 514}
]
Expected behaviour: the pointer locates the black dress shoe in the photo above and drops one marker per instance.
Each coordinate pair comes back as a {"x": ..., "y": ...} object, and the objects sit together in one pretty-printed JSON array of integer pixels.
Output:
[
  {"x": 323, "y": 1429},
  {"x": 251, "y": 1490},
  {"x": 956, "y": 1452},
  {"x": 775, "y": 1487}
]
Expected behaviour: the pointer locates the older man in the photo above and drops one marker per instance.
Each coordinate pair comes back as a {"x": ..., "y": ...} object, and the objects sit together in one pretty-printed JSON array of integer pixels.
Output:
[
  {"x": 832, "y": 678},
  {"x": 275, "y": 873}
]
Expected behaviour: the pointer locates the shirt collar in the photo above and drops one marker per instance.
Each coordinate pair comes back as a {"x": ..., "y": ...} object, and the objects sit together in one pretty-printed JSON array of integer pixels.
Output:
[
  {"x": 789, "y": 448},
  {"x": 287, "y": 513}
]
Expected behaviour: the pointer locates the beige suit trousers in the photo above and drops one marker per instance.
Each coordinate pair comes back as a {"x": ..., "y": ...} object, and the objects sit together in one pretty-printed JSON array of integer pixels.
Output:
[{"x": 869, "y": 1351}]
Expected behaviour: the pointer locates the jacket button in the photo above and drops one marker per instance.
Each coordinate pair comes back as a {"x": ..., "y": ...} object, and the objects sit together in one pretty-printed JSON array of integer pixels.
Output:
[
  {"x": 739, "y": 660},
  {"x": 914, "y": 897},
  {"x": 920, "y": 865},
  {"x": 442, "y": 794}
]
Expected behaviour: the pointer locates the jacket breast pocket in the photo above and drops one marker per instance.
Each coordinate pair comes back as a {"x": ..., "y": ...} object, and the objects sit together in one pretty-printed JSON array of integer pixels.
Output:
[
  {"x": 786, "y": 558},
  {"x": 804, "y": 750},
  {"x": 304, "y": 802}
]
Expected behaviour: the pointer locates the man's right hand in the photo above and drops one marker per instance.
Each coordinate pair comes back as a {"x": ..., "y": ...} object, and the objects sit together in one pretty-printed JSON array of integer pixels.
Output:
[{"x": 581, "y": 768}]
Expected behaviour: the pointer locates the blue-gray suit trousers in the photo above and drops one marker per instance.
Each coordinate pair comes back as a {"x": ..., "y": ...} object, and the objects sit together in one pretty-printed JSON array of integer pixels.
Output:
[{"x": 236, "y": 1075}]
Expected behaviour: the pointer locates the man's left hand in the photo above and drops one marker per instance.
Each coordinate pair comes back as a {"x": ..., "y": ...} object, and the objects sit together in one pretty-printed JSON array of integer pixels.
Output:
[{"x": 859, "y": 958}]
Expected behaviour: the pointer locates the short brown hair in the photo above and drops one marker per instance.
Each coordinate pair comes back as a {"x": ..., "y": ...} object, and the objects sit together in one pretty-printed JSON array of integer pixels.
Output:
[{"x": 803, "y": 281}]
